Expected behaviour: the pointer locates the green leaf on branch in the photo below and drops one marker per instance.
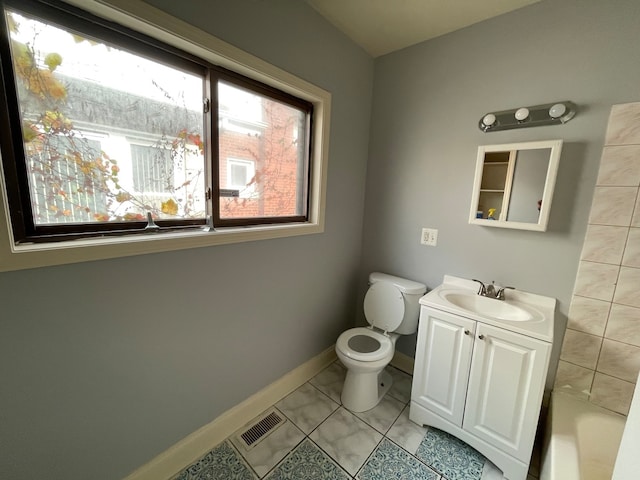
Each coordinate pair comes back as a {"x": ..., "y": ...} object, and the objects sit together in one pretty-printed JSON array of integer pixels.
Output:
[{"x": 53, "y": 60}]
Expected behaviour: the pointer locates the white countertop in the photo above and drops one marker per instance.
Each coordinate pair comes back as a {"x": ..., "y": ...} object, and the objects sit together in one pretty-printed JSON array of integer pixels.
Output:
[{"x": 542, "y": 308}]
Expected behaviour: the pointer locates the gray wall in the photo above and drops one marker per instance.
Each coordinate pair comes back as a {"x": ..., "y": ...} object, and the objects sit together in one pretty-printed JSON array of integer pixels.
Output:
[
  {"x": 104, "y": 365},
  {"x": 424, "y": 136}
]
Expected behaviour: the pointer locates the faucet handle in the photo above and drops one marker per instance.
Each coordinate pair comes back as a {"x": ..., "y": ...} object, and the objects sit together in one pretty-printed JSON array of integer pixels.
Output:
[
  {"x": 483, "y": 289},
  {"x": 500, "y": 292}
]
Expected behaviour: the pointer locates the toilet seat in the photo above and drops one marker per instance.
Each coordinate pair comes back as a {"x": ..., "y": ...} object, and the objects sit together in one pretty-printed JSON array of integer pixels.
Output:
[
  {"x": 384, "y": 306},
  {"x": 373, "y": 346}
]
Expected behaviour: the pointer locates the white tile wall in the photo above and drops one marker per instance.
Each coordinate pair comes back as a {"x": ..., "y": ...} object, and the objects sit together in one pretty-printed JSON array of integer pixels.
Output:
[
  {"x": 632, "y": 252},
  {"x": 588, "y": 315},
  {"x": 628, "y": 288},
  {"x": 635, "y": 220},
  {"x": 596, "y": 280},
  {"x": 605, "y": 244},
  {"x": 619, "y": 166},
  {"x": 581, "y": 349},
  {"x": 613, "y": 205},
  {"x": 612, "y": 393},
  {"x": 624, "y": 125},
  {"x": 600, "y": 354},
  {"x": 624, "y": 324},
  {"x": 619, "y": 360}
]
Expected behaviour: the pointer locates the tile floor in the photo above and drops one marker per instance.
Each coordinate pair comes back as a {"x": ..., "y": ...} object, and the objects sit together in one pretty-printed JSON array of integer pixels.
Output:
[{"x": 320, "y": 439}]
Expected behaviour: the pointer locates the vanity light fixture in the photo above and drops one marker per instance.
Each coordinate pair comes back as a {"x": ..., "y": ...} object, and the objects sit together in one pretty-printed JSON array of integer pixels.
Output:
[
  {"x": 534, "y": 116},
  {"x": 489, "y": 119},
  {"x": 522, "y": 114},
  {"x": 557, "y": 110}
]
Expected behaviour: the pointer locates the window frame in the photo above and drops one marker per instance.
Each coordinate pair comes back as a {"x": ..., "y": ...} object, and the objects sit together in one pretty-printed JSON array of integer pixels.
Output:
[{"x": 167, "y": 29}]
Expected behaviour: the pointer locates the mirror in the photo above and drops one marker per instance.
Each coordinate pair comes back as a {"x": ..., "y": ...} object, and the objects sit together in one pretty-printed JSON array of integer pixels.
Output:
[{"x": 514, "y": 183}]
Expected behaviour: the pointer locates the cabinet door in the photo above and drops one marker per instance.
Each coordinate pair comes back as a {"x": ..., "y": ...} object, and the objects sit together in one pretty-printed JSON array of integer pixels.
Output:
[
  {"x": 443, "y": 356},
  {"x": 506, "y": 384}
]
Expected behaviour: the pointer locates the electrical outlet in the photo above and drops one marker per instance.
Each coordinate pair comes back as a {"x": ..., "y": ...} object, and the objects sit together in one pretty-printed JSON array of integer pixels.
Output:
[{"x": 429, "y": 237}]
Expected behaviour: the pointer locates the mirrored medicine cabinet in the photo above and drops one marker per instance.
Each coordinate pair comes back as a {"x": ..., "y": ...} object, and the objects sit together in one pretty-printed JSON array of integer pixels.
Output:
[{"x": 514, "y": 184}]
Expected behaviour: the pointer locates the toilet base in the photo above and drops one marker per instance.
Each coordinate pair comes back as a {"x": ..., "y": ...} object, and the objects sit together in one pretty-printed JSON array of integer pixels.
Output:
[{"x": 363, "y": 390}]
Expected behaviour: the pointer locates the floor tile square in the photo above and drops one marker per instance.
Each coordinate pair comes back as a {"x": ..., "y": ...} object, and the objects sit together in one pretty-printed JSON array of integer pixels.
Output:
[
  {"x": 390, "y": 462},
  {"x": 271, "y": 449},
  {"x": 307, "y": 407},
  {"x": 221, "y": 463},
  {"x": 450, "y": 456},
  {"x": 406, "y": 433},
  {"x": 382, "y": 416},
  {"x": 347, "y": 439},
  {"x": 308, "y": 462},
  {"x": 331, "y": 380},
  {"x": 401, "y": 388}
]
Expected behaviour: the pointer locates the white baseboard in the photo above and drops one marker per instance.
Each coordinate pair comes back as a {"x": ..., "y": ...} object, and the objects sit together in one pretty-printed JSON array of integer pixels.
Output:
[
  {"x": 198, "y": 443},
  {"x": 403, "y": 362}
]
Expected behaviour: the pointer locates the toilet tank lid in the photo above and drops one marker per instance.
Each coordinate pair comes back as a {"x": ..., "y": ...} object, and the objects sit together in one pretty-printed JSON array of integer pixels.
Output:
[{"x": 402, "y": 284}]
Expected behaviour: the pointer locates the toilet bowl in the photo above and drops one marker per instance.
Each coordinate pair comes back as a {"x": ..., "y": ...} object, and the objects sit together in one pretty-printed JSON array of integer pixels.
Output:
[{"x": 391, "y": 308}]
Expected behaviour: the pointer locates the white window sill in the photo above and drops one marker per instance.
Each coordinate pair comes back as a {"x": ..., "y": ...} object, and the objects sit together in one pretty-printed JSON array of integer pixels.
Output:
[{"x": 17, "y": 257}]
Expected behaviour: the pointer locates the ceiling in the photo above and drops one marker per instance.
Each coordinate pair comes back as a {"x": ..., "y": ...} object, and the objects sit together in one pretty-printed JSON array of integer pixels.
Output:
[{"x": 384, "y": 26}]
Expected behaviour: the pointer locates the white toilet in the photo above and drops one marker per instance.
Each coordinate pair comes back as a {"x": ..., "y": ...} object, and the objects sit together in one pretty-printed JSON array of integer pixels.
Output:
[{"x": 391, "y": 308}]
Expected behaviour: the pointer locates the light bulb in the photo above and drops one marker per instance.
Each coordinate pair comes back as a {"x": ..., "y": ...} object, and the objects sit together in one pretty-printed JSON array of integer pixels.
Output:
[
  {"x": 489, "y": 119},
  {"x": 522, "y": 114},
  {"x": 557, "y": 110}
]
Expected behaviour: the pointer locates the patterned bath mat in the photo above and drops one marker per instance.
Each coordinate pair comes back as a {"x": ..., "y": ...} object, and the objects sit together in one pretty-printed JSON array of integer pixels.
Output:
[
  {"x": 221, "y": 463},
  {"x": 390, "y": 462},
  {"x": 307, "y": 462},
  {"x": 451, "y": 457}
]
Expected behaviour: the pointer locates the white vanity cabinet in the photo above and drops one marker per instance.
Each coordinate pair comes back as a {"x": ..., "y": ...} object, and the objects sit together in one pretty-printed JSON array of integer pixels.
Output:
[
  {"x": 441, "y": 368},
  {"x": 481, "y": 383}
]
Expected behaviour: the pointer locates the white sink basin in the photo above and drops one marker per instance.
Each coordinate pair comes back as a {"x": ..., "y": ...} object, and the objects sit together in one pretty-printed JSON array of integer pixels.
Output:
[
  {"x": 521, "y": 312},
  {"x": 490, "y": 307}
]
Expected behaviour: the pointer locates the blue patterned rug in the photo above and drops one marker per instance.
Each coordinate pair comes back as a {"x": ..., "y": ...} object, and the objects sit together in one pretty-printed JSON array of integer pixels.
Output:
[
  {"x": 307, "y": 462},
  {"x": 390, "y": 462},
  {"x": 451, "y": 457},
  {"x": 221, "y": 463}
]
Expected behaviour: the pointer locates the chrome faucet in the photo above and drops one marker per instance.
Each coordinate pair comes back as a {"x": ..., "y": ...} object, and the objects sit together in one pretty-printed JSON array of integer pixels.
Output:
[
  {"x": 500, "y": 292},
  {"x": 492, "y": 290},
  {"x": 483, "y": 289}
]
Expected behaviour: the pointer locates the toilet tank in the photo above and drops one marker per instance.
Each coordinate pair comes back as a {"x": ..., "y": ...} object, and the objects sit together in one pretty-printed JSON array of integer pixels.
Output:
[{"x": 411, "y": 291}]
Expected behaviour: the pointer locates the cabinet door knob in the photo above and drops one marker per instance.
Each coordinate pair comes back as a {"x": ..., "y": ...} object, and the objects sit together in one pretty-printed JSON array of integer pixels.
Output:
[
  {"x": 467, "y": 332},
  {"x": 481, "y": 337}
]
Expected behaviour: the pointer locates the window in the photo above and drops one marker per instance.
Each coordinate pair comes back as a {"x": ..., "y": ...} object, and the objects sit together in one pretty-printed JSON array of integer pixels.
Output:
[
  {"x": 278, "y": 184},
  {"x": 152, "y": 169},
  {"x": 240, "y": 178},
  {"x": 111, "y": 129}
]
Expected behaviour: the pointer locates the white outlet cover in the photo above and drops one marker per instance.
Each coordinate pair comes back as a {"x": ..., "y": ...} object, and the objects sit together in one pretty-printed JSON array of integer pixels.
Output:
[{"x": 429, "y": 237}]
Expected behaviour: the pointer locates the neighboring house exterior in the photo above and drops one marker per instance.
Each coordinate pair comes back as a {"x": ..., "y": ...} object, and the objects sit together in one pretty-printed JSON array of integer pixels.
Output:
[{"x": 157, "y": 159}]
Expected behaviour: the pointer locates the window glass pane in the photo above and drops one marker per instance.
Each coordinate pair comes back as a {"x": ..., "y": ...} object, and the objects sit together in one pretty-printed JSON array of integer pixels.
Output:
[
  {"x": 270, "y": 135},
  {"x": 108, "y": 135},
  {"x": 61, "y": 208}
]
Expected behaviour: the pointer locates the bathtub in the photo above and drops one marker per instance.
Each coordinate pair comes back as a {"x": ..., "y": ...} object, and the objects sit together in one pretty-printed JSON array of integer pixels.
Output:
[{"x": 581, "y": 440}]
